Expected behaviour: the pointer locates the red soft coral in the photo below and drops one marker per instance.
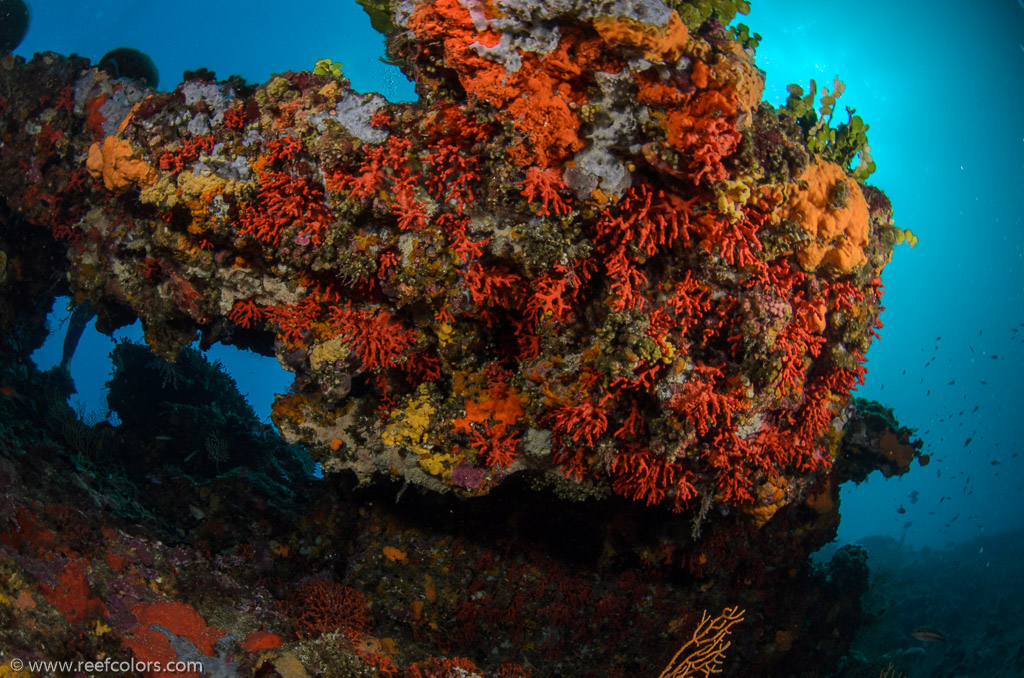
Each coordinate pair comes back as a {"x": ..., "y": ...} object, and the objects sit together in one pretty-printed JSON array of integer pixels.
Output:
[
  {"x": 545, "y": 184},
  {"x": 376, "y": 337},
  {"x": 321, "y": 606}
]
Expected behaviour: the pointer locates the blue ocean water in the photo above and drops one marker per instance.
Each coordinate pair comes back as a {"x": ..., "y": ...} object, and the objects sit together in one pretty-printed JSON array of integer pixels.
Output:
[
  {"x": 941, "y": 88},
  {"x": 942, "y": 91}
]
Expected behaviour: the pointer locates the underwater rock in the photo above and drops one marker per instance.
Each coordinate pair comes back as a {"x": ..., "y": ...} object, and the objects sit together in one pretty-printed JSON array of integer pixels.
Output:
[
  {"x": 571, "y": 294},
  {"x": 583, "y": 257},
  {"x": 873, "y": 440},
  {"x": 124, "y": 542}
]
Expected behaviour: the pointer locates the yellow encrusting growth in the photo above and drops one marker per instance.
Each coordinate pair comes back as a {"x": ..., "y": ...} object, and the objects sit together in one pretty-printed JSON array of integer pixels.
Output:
[
  {"x": 439, "y": 464},
  {"x": 444, "y": 334},
  {"x": 408, "y": 427}
]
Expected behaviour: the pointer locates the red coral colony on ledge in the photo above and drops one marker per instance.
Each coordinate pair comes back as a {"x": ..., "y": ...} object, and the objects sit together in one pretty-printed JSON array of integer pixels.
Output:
[{"x": 587, "y": 295}]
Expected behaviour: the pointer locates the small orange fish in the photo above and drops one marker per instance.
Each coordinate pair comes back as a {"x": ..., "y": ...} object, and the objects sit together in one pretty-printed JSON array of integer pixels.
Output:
[{"x": 927, "y": 634}]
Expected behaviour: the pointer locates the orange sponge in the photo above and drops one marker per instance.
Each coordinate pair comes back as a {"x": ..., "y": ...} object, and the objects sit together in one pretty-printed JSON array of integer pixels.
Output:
[
  {"x": 116, "y": 162},
  {"x": 831, "y": 209},
  {"x": 654, "y": 43}
]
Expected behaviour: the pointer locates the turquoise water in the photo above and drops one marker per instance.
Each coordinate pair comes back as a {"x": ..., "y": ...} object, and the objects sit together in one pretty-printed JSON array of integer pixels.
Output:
[
  {"x": 942, "y": 91},
  {"x": 253, "y": 39}
]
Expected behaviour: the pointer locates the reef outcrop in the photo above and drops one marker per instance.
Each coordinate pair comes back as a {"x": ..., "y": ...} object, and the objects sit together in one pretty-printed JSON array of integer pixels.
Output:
[
  {"x": 574, "y": 257},
  {"x": 587, "y": 261},
  {"x": 199, "y": 536}
]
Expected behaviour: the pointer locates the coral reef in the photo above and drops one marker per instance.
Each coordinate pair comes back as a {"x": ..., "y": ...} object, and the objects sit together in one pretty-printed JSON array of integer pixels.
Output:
[
  {"x": 132, "y": 547},
  {"x": 586, "y": 264},
  {"x": 574, "y": 257}
]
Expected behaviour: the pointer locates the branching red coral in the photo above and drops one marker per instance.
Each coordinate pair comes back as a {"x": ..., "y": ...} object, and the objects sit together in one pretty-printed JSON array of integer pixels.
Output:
[
  {"x": 234, "y": 117},
  {"x": 410, "y": 212},
  {"x": 452, "y": 175},
  {"x": 496, "y": 444},
  {"x": 651, "y": 221},
  {"x": 283, "y": 202},
  {"x": 736, "y": 241},
  {"x": 320, "y": 606},
  {"x": 800, "y": 343},
  {"x": 247, "y": 313},
  {"x": 640, "y": 475},
  {"x": 627, "y": 282},
  {"x": 489, "y": 287},
  {"x": 689, "y": 302},
  {"x": 699, "y": 403},
  {"x": 376, "y": 337},
  {"x": 584, "y": 421},
  {"x": 545, "y": 184},
  {"x": 294, "y": 319},
  {"x": 633, "y": 424},
  {"x": 187, "y": 153}
]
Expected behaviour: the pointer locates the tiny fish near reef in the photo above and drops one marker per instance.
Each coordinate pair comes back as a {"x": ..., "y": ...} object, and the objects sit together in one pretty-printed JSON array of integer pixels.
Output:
[{"x": 927, "y": 634}]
